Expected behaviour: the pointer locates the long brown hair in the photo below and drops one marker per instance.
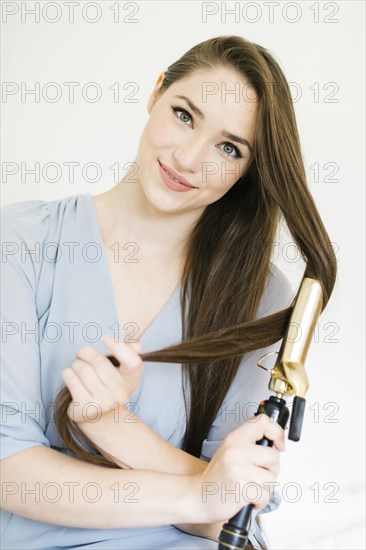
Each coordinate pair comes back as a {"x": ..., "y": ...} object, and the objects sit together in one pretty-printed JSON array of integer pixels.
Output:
[{"x": 234, "y": 236}]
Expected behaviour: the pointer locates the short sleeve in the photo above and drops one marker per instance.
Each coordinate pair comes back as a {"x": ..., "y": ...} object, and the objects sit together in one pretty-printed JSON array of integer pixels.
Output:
[
  {"x": 24, "y": 227},
  {"x": 250, "y": 387}
]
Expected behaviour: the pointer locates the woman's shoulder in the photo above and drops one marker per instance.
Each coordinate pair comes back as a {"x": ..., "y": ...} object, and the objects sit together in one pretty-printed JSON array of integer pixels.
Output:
[
  {"x": 31, "y": 232},
  {"x": 23, "y": 221},
  {"x": 31, "y": 221}
]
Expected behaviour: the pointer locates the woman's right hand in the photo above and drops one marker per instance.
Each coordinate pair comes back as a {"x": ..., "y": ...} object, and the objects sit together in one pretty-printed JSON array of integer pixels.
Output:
[{"x": 241, "y": 472}]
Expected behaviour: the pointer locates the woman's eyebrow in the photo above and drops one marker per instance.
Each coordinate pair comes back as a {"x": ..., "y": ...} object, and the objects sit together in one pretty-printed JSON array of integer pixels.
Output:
[{"x": 225, "y": 133}]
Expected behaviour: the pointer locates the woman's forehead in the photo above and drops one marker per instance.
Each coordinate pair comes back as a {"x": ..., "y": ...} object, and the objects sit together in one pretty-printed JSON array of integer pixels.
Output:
[
  {"x": 215, "y": 74},
  {"x": 221, "y": 84}
]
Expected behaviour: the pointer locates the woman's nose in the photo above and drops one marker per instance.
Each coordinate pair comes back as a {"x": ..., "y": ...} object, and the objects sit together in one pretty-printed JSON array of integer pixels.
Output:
[{"x": 189, "y": 156}]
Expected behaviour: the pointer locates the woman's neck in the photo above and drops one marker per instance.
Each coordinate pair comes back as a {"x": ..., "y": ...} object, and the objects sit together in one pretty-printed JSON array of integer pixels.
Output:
[{"x": 125, "y": 215}]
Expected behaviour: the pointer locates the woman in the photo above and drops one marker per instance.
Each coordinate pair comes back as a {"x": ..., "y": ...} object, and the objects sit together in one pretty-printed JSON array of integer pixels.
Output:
[{"x": 214, "y": 174}]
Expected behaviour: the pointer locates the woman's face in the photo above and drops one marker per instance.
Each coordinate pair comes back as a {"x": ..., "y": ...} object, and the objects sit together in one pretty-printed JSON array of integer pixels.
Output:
[{"x": 188, "y": 137}]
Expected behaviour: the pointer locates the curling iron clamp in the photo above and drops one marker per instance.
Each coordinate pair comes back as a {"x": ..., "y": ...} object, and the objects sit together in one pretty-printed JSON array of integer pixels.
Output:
[{"x": 287, "y": 377}]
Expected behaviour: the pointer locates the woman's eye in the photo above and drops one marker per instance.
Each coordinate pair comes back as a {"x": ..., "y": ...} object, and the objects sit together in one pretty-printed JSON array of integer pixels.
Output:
[
  {"x": 186, "y": 117},
  {"x": 185, "y": 113},
  {"x": 231, "y": 149}
]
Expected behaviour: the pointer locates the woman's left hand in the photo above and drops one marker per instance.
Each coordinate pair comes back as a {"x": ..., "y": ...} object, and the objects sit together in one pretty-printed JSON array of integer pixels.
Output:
[{"x": 98, "y": 387}]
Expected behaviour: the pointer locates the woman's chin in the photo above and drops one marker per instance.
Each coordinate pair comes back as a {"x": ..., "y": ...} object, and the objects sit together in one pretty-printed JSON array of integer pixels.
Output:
[{"x": 161, "y": 201}]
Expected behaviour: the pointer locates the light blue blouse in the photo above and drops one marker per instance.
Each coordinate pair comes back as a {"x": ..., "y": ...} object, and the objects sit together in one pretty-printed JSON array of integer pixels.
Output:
[{"x": 57, "y": 295}]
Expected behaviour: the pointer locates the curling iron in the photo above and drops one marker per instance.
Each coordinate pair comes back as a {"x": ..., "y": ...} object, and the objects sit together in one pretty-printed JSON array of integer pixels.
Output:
[{"x": 287, "y": 377}]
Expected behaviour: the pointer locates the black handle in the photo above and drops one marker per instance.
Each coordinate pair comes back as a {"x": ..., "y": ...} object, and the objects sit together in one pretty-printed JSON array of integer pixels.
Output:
[
  {"x": 234, "y": 534},
  {"x": 297, "y": 415}
]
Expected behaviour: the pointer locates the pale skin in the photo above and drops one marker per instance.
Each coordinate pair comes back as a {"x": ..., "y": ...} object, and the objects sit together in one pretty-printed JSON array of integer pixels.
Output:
[{"x": 159, "y": 220}]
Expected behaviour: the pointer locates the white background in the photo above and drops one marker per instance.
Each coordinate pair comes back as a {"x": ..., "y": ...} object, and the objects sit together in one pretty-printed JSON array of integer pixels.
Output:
[{"x": 316, "y": 43}]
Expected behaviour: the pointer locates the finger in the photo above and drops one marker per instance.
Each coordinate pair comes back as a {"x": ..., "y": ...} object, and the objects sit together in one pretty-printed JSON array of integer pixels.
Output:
[
  {"x": 263, "y": 427},
  {"x": 103, "y": 366},
  {"x": 266, "y": 457},
  {"x": 89, "y": 377},
  {"x": 257, "y": 491},
  {"x": 78, "y": 391},
  {"x": 136, "y": 346},
  {"x": 130, "y": 360},
  {"x": 256, "y": 456},
  {"x": 275, "y": 433},
  {"x": 270, "y": 429}
]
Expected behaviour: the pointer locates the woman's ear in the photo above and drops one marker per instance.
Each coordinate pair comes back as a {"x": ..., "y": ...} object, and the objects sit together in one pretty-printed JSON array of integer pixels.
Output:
[{"x": 154, "y": 95}]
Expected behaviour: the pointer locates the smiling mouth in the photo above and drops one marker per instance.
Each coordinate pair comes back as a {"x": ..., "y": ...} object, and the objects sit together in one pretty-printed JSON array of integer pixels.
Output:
[{"x": 176, "y": 179}]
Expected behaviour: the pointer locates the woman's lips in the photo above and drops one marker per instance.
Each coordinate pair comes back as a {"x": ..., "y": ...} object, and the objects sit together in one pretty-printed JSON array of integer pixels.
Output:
[{"x": 172, "y": 180}]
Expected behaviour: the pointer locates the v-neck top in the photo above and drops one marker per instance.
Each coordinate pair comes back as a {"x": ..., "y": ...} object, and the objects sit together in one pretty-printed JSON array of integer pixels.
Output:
[{"x": 57, "y": 295}]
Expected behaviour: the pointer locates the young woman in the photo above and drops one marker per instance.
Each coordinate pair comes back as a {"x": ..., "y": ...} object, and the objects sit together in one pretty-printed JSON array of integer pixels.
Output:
[{"x": 173, "y": 267}]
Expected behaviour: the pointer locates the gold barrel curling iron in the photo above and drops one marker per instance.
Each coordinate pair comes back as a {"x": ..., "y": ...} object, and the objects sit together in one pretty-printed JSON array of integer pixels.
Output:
[{"x": 287, "y": 378}]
